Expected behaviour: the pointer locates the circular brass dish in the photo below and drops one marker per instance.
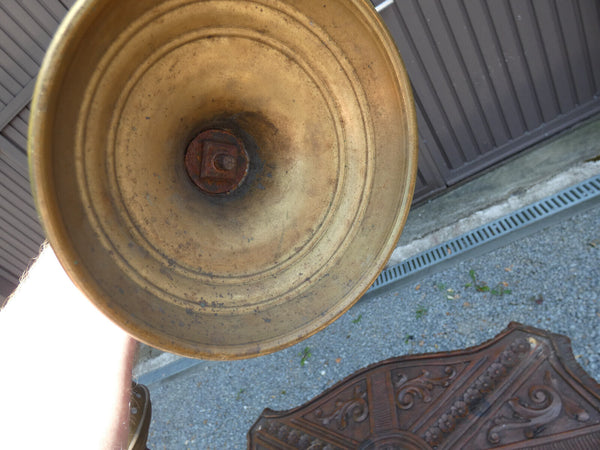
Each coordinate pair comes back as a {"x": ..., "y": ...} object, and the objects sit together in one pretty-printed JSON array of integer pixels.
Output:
[{"x": 318, "y": 98}]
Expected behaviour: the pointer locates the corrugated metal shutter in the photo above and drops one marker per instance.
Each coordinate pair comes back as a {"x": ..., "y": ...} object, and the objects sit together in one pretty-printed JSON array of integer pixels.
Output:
[
  {"x": 26, "y": 28},
  {"x": 491, "y": 78}
]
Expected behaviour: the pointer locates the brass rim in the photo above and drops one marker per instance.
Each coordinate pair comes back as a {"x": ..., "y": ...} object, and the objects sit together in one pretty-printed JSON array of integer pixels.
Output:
[{"x": 328, "y": 125}]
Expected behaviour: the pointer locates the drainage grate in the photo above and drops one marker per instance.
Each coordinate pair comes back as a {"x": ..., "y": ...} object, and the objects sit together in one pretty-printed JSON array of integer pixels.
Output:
[{"x": 521, "y": 218}]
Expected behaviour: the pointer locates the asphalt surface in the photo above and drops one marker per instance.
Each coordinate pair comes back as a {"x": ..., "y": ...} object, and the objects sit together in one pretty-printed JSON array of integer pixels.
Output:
[{"x": 549, "y": 279}]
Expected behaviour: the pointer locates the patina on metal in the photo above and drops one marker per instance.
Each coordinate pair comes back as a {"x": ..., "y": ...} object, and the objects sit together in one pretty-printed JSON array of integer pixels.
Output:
[
  {"x": 523, "y": 389},
  {"x": 217, "y": 161},
  {"x": 191, "y": 256}
]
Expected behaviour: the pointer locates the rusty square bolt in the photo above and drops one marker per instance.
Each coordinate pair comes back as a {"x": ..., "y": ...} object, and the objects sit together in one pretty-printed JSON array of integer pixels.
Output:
[{"x": 217, "y": 161}]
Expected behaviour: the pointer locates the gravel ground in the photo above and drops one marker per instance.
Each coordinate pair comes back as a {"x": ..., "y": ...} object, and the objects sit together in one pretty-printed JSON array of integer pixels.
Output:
[{"x": 550, "y": 280}]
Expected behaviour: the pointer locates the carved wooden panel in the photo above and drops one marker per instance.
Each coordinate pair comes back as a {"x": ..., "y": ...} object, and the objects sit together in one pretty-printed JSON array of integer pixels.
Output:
[{"x": 523, "y": 389}]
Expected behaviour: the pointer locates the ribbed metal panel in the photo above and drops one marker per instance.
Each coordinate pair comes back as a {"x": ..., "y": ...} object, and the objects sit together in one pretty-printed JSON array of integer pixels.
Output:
[
  {"x": 16, "y": 130},
  {"x": 493, "y": 77},
  {"x": 26, "y": 28}
]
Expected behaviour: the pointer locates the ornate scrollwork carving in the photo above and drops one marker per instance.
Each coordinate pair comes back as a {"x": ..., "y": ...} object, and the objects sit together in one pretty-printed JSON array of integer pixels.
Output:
[
  {"x": 420, "y": 387},
  {"x": 523, "y": 389},
  {"x": 355, "y": 409},
  {"x": 295, "y": 438},
  {"x": 477, "y": 391},
  {"x": 547, "y": 405}
]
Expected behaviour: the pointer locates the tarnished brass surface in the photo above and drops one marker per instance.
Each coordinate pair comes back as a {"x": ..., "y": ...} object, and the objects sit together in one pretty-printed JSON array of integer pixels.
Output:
[{"x": 318, "y": 95}]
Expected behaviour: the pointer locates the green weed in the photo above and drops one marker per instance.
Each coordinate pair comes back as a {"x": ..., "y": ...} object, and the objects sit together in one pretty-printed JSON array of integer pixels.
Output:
[
  {"x": 304, "y": 354},
  {"x": 421, "y": 312},
  {"x": 481, "y": 286}
]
